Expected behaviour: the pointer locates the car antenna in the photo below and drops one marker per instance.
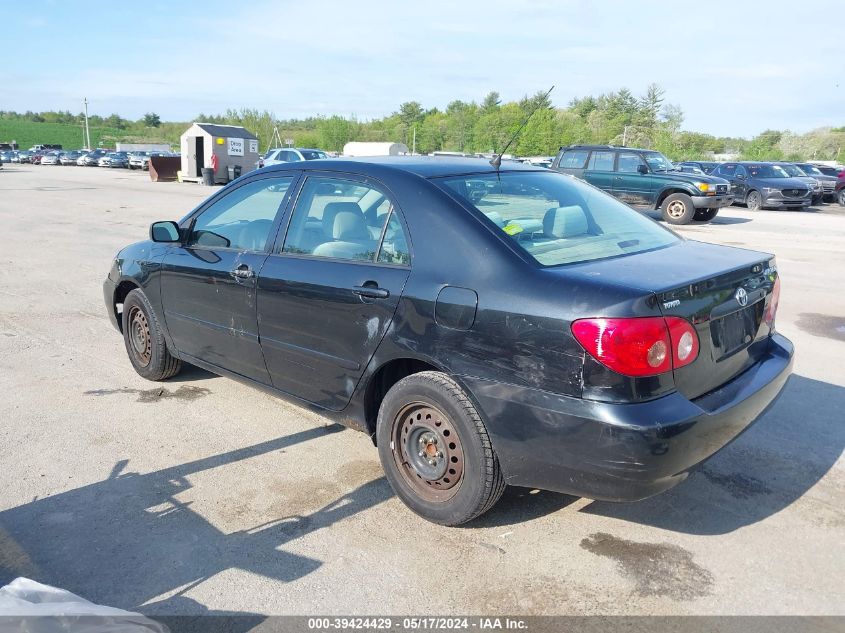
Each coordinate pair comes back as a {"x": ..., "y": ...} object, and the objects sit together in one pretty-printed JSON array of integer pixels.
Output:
[{"x": 496, "y": 161}]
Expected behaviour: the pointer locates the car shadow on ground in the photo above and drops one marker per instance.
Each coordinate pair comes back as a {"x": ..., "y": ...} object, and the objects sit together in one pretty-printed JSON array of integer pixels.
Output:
[
  {"x": 768, "y": 468},
  {"x": 129, "y": 540},
  {"x": 658, "y": 215}
]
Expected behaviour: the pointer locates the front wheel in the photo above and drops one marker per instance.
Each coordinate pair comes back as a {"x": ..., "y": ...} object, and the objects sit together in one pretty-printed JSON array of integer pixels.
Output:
[
  {"x": 753, "y": 201},
  {"x": 678, "y": 209},
  {"x": 144, "y": 339},
  {"x": 435, "y": 450},
  {"x": 840, "y": 197}
]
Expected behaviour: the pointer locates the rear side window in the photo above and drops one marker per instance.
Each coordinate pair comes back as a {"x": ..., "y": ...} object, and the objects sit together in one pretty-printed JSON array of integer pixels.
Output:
[
  {"x": 601, "y": 161},
  {"x": 557, "y": 219},
  {"x": 574, "y": 159}
]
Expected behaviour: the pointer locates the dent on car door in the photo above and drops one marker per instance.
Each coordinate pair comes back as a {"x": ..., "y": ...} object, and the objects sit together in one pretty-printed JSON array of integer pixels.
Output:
[
  {"x": 328, "y": 294},
  {"x": 208, "y": 283}
]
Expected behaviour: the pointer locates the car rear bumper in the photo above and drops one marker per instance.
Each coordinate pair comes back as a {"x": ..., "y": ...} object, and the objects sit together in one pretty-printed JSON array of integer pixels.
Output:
[
  {"x": 712, "y": 202},
  {"x": 622, "y": 452}
]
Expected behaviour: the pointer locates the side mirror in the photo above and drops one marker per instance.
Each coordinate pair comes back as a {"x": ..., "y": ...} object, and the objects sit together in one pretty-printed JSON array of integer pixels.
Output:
[
  {"x": 165, "y": 232},
  {"x": 642, "y": 169}
]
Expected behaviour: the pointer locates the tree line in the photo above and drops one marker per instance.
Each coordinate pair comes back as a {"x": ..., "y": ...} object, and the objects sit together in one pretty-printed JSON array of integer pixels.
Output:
[{"x": 617, "y": 118}]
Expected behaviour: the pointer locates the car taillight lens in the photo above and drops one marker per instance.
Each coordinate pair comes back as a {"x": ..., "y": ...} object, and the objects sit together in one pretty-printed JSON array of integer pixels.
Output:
[
  {"x": 641, "y": 346},
  {"x": 771, "y": 311}
]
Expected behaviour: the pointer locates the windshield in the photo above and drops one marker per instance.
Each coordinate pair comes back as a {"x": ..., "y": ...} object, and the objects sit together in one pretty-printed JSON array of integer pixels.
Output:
[
  {"x": 767, "y": 171},
  {"x": 557, "y": 219},
  {"x": 658, "y": 162},
  {"x": 792, "y": 170},
  {"x": 810, "y": 170}
]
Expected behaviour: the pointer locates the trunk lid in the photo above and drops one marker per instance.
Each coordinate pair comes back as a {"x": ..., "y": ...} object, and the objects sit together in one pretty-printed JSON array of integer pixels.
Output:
[{"x": 723, "y": 291}]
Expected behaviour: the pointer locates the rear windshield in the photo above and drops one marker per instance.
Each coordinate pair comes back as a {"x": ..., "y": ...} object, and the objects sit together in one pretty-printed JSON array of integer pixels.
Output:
[
  {"x": 557, "y": 219},
  {"x": 312, "y": 154}
]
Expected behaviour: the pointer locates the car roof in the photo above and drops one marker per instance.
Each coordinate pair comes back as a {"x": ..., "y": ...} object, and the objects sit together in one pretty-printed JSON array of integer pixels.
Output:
[{"x": 424, "y": 166}]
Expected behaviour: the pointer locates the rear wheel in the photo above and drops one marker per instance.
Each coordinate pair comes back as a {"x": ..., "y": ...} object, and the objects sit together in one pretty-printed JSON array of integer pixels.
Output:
[
  {"x": 144, "y": 339},
  {"x": 435, "y": 450},
  {"x": 678, "y": 209},
  {"x": 753, "y": 201},
  {"x": 840, "y": 197}
]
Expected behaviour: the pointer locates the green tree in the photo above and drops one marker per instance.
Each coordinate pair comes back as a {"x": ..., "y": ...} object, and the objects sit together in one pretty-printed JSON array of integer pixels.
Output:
[{"x": 151, "y": 119}]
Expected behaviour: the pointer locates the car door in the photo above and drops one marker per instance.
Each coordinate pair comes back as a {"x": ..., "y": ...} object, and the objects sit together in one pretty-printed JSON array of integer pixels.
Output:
[
  {"x": 208, "y": 283},
  {"x": 599, "y": 172},
  {"x": 327, "y": 294},
  {"x": 629, "y": 184}
]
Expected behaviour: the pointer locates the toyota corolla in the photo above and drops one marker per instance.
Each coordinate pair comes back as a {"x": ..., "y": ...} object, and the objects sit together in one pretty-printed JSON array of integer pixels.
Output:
[{"x": 486, "y": 327}]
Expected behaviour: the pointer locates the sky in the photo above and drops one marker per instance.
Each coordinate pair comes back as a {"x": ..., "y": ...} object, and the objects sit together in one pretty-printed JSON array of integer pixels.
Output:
[{"x": 735, "y": 68}]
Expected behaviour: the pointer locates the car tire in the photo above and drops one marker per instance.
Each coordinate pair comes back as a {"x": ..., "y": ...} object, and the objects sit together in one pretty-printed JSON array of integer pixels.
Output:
[
  {"x": 435, "y": 450},
  {"x": 705, "y": 215},
  {"x": 840, "y": 197},
  {"x": 678, "y": 209},
  {"x": 144, "y": 339},
  {"x": 753, "y": 201}
]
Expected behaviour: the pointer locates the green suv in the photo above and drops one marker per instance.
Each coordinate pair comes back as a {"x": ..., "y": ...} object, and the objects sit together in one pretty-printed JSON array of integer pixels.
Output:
[{"x": 646, "y": 179}]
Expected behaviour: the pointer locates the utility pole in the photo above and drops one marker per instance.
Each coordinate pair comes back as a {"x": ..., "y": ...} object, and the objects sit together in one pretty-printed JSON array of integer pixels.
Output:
[
  {"x": 87, "y": 131},
  {"x": 625, "y": 136}
]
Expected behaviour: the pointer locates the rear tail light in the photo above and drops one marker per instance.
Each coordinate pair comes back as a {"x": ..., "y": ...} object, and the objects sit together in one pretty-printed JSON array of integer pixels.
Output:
[
  {"x": 771, "y": 311},
  {"x": 641, "y": 346}
]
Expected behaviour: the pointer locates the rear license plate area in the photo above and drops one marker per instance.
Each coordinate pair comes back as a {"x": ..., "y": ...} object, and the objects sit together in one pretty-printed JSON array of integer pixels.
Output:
[{"x": 736, "y": 330}]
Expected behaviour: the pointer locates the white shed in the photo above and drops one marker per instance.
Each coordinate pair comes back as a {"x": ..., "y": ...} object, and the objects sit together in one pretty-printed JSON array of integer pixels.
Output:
[
  {"x": 356, "y": 148},
  {"x": 233, "y": 145}
]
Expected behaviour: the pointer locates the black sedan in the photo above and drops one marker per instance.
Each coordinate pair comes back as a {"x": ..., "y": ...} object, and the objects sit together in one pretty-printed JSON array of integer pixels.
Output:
[{"x": 485, "y": 327}]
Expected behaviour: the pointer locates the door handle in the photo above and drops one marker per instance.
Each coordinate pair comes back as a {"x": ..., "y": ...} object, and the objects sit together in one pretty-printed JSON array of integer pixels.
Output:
[
  {"x": 371, "y": 292},
  {"x": 242, "y": 272}
]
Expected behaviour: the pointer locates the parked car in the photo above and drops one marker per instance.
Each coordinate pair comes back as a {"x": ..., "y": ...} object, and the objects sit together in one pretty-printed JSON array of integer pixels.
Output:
[
  {"x": 828, "y": 182},
  {"x": 594, "y": 353},
  {"x": 50, "y": 158},
  {"x": 70, "y": 158},
  {"x": 759, "y": 185},
  {"x": 646, "y": 179},
  {"x": 706, "y": 166},
  {"x": 827, "y": 170},
  {"x": 91, "y": 159},
  {"x": 114, "y": 159},
  {"x": 35, "y": 157},
  {"x": 279, "y": 155},
  {"x": 815, "y": 185},
  {"x": 137, "y": 160},
  {"x": 840, "y": 190},
  {"x": 6, "y": 156},
  {"x": 22, "y": 156}
]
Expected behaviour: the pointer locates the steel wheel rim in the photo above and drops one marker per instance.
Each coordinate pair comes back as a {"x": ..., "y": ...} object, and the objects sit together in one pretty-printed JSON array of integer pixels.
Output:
[
  {"x": 676, "y": 209},
  {"x": 437, "y": 473},
  {"x": 139, "y": 336}
]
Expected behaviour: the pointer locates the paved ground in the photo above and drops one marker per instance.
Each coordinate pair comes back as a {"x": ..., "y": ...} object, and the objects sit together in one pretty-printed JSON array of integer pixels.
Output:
[{"x": 203, "y": 495}]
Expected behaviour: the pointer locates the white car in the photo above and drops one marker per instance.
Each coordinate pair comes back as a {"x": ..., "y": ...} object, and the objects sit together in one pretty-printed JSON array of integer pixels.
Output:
[{"x": 279, "y": 155}]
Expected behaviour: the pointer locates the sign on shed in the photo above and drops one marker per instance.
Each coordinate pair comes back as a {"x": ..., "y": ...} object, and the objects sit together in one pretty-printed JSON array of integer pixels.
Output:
[{"x": 236, "y": 146}]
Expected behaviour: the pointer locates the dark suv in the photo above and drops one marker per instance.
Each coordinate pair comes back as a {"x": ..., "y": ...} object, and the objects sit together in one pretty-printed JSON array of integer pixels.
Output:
[
  {"x": 760, "y": 185},
  {"x": 646, "y": 179}
]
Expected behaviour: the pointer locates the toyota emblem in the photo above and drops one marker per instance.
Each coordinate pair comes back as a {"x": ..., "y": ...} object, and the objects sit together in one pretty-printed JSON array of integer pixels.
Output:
[{"x": 741, "y": 296}]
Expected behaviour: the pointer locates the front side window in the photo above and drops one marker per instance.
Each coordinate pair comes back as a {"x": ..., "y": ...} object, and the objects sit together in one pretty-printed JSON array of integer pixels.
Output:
[
  {"x": 601, "y": 161},
  {"x": 556, "y": 219},
  {"x": 243, "y": 218},
  {"x": 344, "y": 219},
  {"x": 729, "y": 169},
  {"x": 628, "y": 162}
]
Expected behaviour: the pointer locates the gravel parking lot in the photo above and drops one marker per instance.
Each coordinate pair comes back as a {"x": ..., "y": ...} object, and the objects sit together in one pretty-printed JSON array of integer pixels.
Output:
[{"x": 202, "y": 495}]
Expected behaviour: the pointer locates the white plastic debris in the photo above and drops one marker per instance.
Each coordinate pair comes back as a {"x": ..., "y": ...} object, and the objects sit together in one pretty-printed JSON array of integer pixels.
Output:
[{"x": 26, "y": 605}]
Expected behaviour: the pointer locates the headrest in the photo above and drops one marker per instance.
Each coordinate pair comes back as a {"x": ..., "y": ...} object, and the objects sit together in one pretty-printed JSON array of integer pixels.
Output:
[
  {"x": 332, "y": 209},
  {"x": 565, "y": 222},
  {"x": 350, "y": 226}
]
